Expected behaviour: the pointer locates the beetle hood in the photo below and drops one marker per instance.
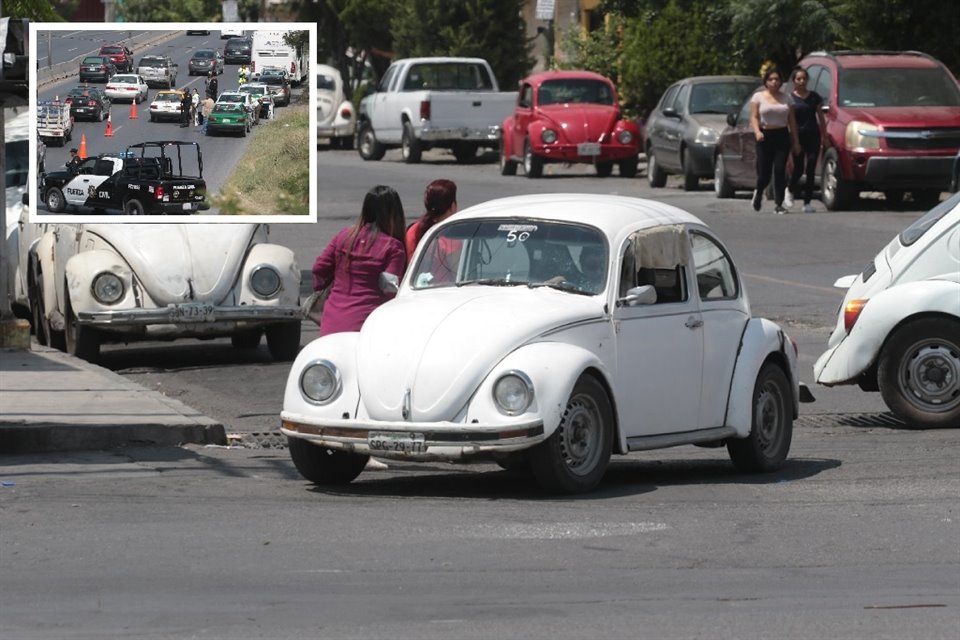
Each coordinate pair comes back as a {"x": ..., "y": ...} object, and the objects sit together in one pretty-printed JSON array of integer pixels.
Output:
[
  {"x": 181, "y": 262},
  {"x": 582, "y": 122},
  {"x": 439, "y": 345}
]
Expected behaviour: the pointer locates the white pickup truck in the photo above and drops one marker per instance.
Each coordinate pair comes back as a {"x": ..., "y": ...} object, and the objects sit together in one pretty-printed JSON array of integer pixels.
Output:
[{"x": 423, "y": 103}]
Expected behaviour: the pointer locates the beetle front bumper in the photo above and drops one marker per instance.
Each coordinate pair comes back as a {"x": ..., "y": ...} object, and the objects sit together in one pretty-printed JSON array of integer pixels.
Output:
[
  {"x": 436, "y": 440},
  {"x": 190, "y": 313}
]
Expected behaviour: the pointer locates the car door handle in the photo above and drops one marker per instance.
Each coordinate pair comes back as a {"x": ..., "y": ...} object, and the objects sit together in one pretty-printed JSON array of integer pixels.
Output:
[{"x": 693, "y": 323}]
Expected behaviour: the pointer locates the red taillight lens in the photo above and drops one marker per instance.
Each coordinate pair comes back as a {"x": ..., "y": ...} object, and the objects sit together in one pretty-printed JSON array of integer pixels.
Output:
[
  {"x": 91, "y": 104},
  {"x": 345, "y": 113},
  {"x": 851, "y": 311},
  {"x": 425, "y": 110},
  {"x": 158, "y": 195},
  {"x": 293, "y": 68}
]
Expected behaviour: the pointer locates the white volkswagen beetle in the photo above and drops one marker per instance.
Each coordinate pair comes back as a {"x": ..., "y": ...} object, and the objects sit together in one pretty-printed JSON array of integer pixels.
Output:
[
  {"x": 95, "y": 283},
  {"x": 898, "y": 328},
  {"x": 336, "y": 117},
  {"x": 550, "y": 331}
]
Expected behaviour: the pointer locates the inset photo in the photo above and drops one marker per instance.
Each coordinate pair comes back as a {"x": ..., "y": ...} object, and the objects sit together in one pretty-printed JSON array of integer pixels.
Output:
[{"x": 173, "y": 122}]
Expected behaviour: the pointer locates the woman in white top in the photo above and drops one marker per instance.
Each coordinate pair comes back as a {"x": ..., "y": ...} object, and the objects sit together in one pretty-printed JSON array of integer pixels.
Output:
[{"x": 775, "y": 128}]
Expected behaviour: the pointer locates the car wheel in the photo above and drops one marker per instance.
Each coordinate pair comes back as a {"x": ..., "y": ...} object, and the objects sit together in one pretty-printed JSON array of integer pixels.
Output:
[
  {"x": 249, "y": 339},
  {"x": 604, "y": 169},
  {"x": 133, "y": 208},
  {"x": 628, "y": 167},
  {"x": 919, "y": 373},
  {"x": 575, "y": 457},
  {"x": 104, "y": 113},
  {"x": 513, "y": 461},
  {"x": 152, "y": 118},
  {"x": 508, "y": 166},
  {"x": 771, "y": 429},
  {"x": 926, "y": 198},
  {"x": 346, "y": 142},
  {"x": 894, "y": 197},
  {"x": 367, "y": 144},
  {"x": 56, "y": 203},
  {"x": 837, "y": 193},
  {"x": 283, "y": 340},
  {"x": 82, "y": 342},
  {"x": 721, "y": 186},
  {"x": 690, "y": 180},
  {"x": 410, "y": 149},
  {"x": 465, "y": 152},
  {"x": 321, "y": 465},
  {"x": 655, "y": 175},
  {"x": 532, "y": 163}
]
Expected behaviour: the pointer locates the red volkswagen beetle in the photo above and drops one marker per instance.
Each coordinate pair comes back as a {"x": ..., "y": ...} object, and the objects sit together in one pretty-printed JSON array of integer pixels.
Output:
[{"x": 568, "y": 116}]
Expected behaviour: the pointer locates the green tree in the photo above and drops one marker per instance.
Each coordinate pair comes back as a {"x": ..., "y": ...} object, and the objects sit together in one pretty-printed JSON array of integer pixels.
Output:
[
  {"x": 490, "y": 29},
  {"x": 35, "y": 10},
  {"x": 171, "y": 11},
  {"x": 600, "y": 50}
]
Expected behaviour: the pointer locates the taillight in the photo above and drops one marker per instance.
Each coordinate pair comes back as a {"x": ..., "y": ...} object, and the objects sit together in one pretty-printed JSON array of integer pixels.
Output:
[
  {"x": 158, "y": 195},
  {"x": 424, "y": 109},
  {"x": 851, "y": 311},
  {"x": 253, "y": 66},
  {"x": 91, "y": 104},
  {"x": 293, "y": 68},
  {"x": 345, "y": 113}
]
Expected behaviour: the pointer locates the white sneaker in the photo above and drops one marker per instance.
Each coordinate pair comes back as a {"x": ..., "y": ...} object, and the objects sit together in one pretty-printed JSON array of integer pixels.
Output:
[
  {"x": 788, "y": 199},
  {"x": 808, "y": 208}
]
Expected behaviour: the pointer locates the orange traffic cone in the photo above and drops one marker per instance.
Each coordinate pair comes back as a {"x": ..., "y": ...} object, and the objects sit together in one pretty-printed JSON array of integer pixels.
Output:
[
  {"x": 83, "y": 147},
  {"x": 133, "y": 109},
  {"x": 109, "y": 131}
]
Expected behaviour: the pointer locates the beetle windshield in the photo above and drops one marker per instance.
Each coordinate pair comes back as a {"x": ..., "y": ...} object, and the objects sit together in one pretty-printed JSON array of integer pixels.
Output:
[
  {"x": 514, "y": 251},
  {"x": 913, "y": 233}
]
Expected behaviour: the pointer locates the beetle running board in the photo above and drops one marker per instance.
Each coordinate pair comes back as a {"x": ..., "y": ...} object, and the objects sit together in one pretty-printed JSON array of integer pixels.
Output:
[{"x": 661, "y": 441}]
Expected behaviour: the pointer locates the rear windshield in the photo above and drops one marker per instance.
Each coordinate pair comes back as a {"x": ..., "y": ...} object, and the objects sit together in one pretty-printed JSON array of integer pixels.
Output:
[
  {"x": 326, "y": 82},
  {"x": 277, "y": 80},
  {"x": 152, "y": 62},
  {"x": 448, "y": 75},
  {"x": 167, "y": 97},
  {"x": 111, "y": 50},
  {"x": 897, "y": 88},
  {"x": 93, "y": 60},
  {"x": 203, "y": 54}
]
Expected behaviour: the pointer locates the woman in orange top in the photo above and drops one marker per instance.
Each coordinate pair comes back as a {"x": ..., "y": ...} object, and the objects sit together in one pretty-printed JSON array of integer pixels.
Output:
[{"x": 440, "y": 202}]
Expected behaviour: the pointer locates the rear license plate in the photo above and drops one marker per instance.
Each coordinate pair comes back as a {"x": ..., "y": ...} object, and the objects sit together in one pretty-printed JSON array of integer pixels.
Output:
[
  {"x": 588, "y": 149},
  {"x": 191, "y": 312},
  {"x": 188, "y": 206},
  {"x": 396, "y": 442}
]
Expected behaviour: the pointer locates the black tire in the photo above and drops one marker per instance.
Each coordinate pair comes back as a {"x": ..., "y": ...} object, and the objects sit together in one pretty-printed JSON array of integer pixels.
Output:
[
  {"x": 690, "y": 180},
  {"x": 628, "y": 167},
  {"x": 346, "y": 143},
  {"x": 771, "y": 430},
  {"x": 575, "y": 457},
  {"x": 465, "y": 152},
  {"x": 655, "y": 175},
  {"x": 604, "y": 169},
  {"x": 532, "y": 163},
  {"x": 152, "y": 118},
  {"x": 721, "y": 186},
  {"x": 410, "y": 149},
  {"x": 56, "y": 203},
  {"x": 247, "y": 339},
  {"x": 838, "y": 194},
  {"x": 283, "y": 340},
  {"x": 367, "y": 144},
  {"x": 38, "y": 315},
  {"x": 926, "y": 198},
  {"x": 82, "y": 342},
  {"x": 919, "y": 373},
  {"x": 508, "y": 166},
  {"x": 133, "y": 208},
  {"x": 321, "y": 465},
  {"x": 894, "y": 197},
  {"x": 515, "y": 461}
]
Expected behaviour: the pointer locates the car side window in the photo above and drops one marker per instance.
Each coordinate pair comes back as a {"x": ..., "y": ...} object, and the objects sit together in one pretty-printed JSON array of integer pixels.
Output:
[
  {"x": 387, "y": 79},
  {"x": 526, "y": 96},
  {"x": 104, "y": 168},
  {"x": 87, "y": 166},
  {"x": 669, "y": 97},
  {"x": 824, "y": 84},
  {"x": 715, "y": 275},
  {"x": 669, "y": 283},
  {"x": 680, "y": 103}
]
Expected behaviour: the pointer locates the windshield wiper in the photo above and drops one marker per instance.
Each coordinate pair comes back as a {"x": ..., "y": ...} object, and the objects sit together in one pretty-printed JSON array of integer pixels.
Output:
[
  {"x": 560, "y": 286},
  {"x": 491, "y": 282}
]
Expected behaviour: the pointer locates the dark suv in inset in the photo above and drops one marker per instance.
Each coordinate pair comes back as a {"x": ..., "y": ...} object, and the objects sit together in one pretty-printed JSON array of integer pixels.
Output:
[
  {"x": 237, "y": 51},
  {"x": 893, "y": 119}
]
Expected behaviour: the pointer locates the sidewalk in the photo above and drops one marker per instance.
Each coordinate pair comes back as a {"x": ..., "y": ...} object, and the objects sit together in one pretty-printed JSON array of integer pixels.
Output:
[{"x": 50, "y": 401}]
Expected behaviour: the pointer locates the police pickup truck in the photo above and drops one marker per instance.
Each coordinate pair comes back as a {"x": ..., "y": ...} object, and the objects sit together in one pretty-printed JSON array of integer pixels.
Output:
[{"x": 140, "y": 180}]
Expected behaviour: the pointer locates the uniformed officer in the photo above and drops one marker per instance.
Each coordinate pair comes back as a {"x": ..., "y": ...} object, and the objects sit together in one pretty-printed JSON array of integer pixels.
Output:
[{"x": 73, "y": 164}]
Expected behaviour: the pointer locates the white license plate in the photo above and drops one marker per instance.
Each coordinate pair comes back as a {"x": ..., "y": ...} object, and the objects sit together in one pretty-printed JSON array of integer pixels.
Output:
[
  {"x": 188, "y": 206},
  {"x": 191, "y": 312},
  {"x": 396, "y": 442},
  {"x": 588, "y": 149}
]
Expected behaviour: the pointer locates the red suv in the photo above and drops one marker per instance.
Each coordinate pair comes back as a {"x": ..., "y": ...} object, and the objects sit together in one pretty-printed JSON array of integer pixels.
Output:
[
  {"x": 122, "y": 56},
  {"x": 893, "y": 119}
]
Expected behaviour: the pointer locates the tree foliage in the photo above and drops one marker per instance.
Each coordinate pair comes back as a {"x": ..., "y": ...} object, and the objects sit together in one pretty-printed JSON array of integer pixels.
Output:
[
  {"x": 491, "y": 29},
  {"x": 170, "y": 11},
  {"x": 34, "y": 10}
]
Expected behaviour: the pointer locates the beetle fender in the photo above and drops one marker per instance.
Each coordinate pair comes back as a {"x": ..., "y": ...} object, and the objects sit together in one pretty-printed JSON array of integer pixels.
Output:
[
  {"x": 284, "y": 261},
  {"x": 761, "y": 339},
  {"x": 554, "y": 369},
  {"x": 339, "y": 349},
  {"x": 48, "y": 284},
  {"x": 80, "y": 272},
  {"x": 879, "y": 317}
]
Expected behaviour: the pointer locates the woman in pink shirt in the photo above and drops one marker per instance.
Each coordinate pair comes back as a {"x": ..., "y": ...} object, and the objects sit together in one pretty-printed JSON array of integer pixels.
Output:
[{"x": 355, "y": 258}]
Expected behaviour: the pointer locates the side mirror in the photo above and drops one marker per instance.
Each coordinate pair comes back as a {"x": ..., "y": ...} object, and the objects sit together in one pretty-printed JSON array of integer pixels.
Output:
[
  {"x": 644, "y": 294},
  {"x": 389, "y": 283},
  {"x": 670, "y": 112},
  {"x": 732, "y": 118},
  {"x": 25, "y": 198}
]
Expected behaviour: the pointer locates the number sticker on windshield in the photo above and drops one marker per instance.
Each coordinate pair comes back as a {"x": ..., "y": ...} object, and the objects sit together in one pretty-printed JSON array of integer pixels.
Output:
[{"x": 517, "y": 232}]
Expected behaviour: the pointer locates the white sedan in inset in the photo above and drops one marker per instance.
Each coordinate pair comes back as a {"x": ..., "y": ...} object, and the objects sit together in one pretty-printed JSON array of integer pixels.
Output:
[
  {"x": 898, "y": 328},
  {"x": 127, "y": 86},
  {"x": 550, "y": 331}
]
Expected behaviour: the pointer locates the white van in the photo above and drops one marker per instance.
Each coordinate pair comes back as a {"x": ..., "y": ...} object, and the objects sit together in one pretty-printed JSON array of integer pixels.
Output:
[{"x": 271, "y": 50}]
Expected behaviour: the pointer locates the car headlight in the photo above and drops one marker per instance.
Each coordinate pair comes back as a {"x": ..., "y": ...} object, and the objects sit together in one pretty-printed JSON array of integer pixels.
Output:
[
  {"x": 624, "y": 137},
  {"x": 706, "y": 135},
  {"x": 107, "y": 288},
  {"x": 858, "y": 135},
  {"x": 548, "y": 136},
  {"x": 320, "y": 381},
  {"x": 265, "y": 281},
  {"x": 513, "y": 393}
]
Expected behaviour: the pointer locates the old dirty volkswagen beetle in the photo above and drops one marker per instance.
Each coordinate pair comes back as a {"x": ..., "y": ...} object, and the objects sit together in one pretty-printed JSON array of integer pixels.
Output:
[
  {"x": 898, "y": 328},
  {"x": 550, "y": 331}
]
